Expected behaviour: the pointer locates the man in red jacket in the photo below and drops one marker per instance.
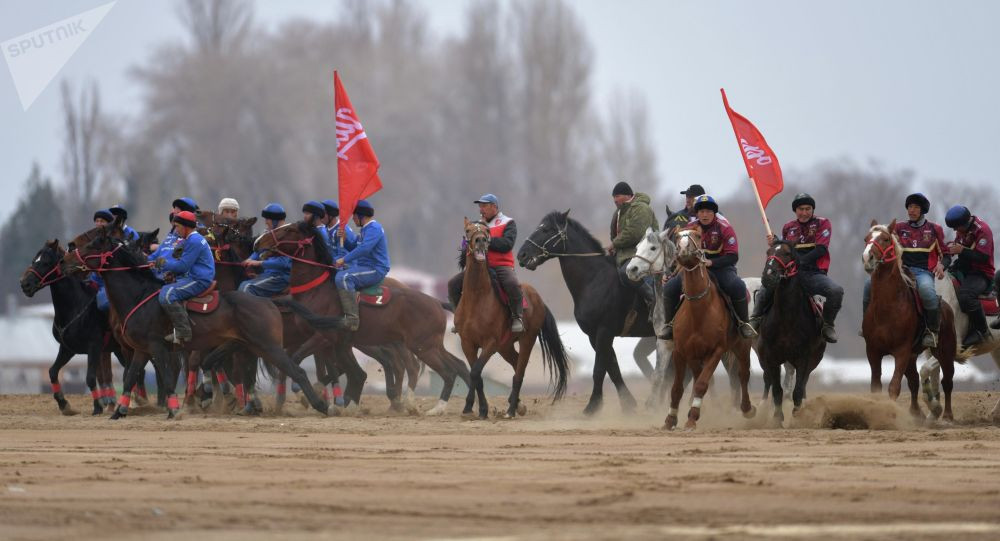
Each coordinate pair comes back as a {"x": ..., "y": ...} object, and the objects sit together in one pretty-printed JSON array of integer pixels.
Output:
[{"x": 499, "y": 257}]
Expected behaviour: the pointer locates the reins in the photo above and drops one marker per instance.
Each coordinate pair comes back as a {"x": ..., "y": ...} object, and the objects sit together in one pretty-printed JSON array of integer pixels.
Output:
[{"x": 560, "y": 235}]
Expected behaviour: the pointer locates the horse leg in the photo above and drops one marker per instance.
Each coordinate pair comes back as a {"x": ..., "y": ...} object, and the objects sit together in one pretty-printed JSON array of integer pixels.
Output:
[
  {"x": 438, "y": 361},
  {"x": 104, "y": 381},
  {"x": 62, "y": 357},
  {"x": 162, "y": 359},
  {"x": 743, "y": 372},
  {"x": 801, "y": 380},
  {"x": 659, "y": 376},
  {"x": 676, "y": 393},
  {"x": 913, "y": 382},
  {"x": 930, "y": 382},
  {"x": 600, "y": 369},
  {"x": 625, "y": 397},
  {"x": 902, "y": 357},
  {"x": 193, "y": 364},
  {"x": 281, "y": 391},
  {"x": 412, "y": 378},
  {"x": 947, "y": 383},
  {"x": 731, "y": 364},
  {"x": 477, "y": 380},
  {"x": 93, "y": 362},
  {"x": 772, "y": 379},
  {"x": 789, "y": 374},
  {"x": 640, "y": 355},
  {"x": 356, "y": 375},
  {"x": 875, "y": 362},
  {"x": 708, "y": 367},
  {"x": 272, "y": 353},
  {"x": 471, "y": 353},
  {"x": 135, "y": 370},
  {"x": 521, "y": 357}
]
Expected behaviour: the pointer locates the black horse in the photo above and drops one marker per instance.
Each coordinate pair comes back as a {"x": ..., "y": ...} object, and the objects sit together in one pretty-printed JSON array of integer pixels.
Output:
[
  {"x": 790, "y": 330},
  {"x": 79, "y": 327},
  {"x": 601, "y": 301},
  {"x": 132, "y": 289}
]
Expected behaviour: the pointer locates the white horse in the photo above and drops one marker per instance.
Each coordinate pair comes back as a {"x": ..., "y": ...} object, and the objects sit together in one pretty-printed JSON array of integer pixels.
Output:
[{"x": 654, "y": 255}]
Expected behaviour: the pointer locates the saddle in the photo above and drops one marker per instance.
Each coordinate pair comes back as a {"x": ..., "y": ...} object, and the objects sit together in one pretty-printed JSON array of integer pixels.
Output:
[
  {"x": 991, "y": 307},
  {"x": 205, "y": 302},
  {"x": 377, "y": 295},
  {"x": 502, "y": 295}
]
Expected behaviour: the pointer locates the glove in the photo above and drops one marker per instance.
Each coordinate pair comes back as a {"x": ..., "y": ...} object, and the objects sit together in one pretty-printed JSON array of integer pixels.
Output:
[
  {"x": 178, "y": 252},
  {"x": 160, "y": 263}
]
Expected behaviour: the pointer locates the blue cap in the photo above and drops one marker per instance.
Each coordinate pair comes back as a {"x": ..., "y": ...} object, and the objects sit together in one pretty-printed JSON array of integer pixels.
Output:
[
  {"x": 332, "y": 208},
  {"x": 273, "y": 211},
  {"x": 488, "y": 198},
  {"x": 314, "y": 207},
  {"x": 185, "y": 203},
  {"x": 364, "y": 208},
  {"x": 104, "y": 213}
]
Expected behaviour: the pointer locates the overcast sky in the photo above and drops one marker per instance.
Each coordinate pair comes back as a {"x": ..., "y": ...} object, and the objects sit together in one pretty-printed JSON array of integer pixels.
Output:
[{"x": 909, "y": 83}]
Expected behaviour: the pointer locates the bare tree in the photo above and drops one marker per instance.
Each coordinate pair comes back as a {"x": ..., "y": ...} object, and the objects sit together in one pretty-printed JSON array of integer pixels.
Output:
[
  {"x": 215, "y": 26},
  {"x": 89, "y": 151}
]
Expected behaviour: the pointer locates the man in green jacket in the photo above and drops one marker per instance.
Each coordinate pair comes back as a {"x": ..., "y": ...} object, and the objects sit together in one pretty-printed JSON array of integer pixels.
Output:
[{"x": 628, "y": 226}]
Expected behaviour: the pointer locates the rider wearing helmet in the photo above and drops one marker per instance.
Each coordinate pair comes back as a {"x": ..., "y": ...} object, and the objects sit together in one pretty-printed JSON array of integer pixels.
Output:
[
  {"x": 131, "y": 235},
  {"x": 499, "y": 258},
  {"x": 276, "y": 270},
  {"x": 811, "y": 236},
  {"x": 722, "y": 251},
  {"x": 102, "y": 218},
  {"x": 628, "y": 226},
  {"x": 973, "y": 267},
  {"x": 193, "y": 266},
  {"x": 922, "y": 242},
  {"x": 332, "y": 223},
  {"x": 167, "y": 246},
  {"x": 683, "y": 217},
  {"x": 366, "y": 262}
]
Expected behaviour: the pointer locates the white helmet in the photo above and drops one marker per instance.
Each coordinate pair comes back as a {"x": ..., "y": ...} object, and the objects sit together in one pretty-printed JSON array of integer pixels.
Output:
[{"x": 228, "y": 203}]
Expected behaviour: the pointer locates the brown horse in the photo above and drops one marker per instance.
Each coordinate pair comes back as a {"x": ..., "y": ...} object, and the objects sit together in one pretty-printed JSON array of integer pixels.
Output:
[
  {"x": 703, "y": 331},
  {"x": 483, "y": 325},
  {"x": 892, "y": 326},
  {"x": 411, "y": 317},
  {"x": 253, "y": 322}
]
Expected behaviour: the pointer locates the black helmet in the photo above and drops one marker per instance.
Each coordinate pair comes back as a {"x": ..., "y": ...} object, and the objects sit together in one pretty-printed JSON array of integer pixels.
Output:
[
  {"x": 958, "y": 216},
  {"x": 803, "y": 199},
  {"x": 919, "y": 199}
]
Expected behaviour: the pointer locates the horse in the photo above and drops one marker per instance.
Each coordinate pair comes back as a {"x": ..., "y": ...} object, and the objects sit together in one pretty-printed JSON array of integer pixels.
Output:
[
  {"x": 790, "y": 330},
  {"x": 252, "y": 321},
  {"x": 484, "y": 327},
  {"x": 655, "y": 255},
  {"x": 892, "y": 325},
  {"x": 411, "y": 317},
  {"x": 601, "y": 302},
  {"x": 704, "y": 330},
  {"x": 79, "y": 327}
]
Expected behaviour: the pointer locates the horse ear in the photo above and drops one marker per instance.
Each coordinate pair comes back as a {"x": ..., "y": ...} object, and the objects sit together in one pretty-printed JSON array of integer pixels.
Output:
[
  {"x": 874, "y": 222},
  {"x": 155, "y": 232},
  {"x": 466, "y": 218},
  {"x": 566, "y": 214},
  {"x": 119, "y": 222},
  {"x": 252, "y": 220},
  {"x": 892, "y": 226},
  {"x": 667, "y": 208}
]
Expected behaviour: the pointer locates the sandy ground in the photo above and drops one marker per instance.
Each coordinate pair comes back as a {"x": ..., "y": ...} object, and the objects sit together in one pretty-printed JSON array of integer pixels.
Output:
[{"x": 551, "y": 474}]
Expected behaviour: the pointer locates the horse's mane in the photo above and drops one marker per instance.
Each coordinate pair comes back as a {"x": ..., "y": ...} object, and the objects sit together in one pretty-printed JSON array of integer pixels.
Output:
[
  {"x": 319, "y": 243},
  {"x": 592, "y": 243},
  {"x": 897, "y": 248}
]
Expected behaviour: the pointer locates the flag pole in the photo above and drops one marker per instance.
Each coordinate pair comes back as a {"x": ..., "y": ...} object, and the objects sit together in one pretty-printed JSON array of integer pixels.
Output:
[{"x": 760, "y": 206}]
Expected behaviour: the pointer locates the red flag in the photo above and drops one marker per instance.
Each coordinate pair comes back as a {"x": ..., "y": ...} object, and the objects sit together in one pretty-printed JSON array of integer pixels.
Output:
[
  {"x": 762, "y": 163},
  {"x": 357, "y": 165}
]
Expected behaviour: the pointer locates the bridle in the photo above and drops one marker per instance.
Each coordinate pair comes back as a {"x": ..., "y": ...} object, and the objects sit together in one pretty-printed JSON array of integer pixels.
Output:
[
  {"x": 790, "y": 267},
  {"x": 104, "y": 258},
  {"x": 885, "y": 255},
  {"x": 43, "y": 279},
  {"x": 700, "y": 254},
  {"x": 476, "y": 228},
  {"x": 652, "y": 262},
  {"x": 301, "y": 246},
  {"x": 560, "y": 235}
]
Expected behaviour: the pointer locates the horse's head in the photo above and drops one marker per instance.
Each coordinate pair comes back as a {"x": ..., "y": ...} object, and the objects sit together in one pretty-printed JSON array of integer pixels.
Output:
[
  {"x": 44, "y": 269},
  {"x": 477, "y": 238},
  {"x": 298, "y": 240},
  {"x": 689, "y": 252},
  {"x": 881, "y": 246},
  {"x": 208, "y": 218},
  {"x": 240, "y": 236},
  {"x": 654, "y": 254},
  {"x": 94, "y": 249},
  {"x": 147, "y": 239},
  {"x": 548, "y": 236},
  {"x": 782, "y": 262}
]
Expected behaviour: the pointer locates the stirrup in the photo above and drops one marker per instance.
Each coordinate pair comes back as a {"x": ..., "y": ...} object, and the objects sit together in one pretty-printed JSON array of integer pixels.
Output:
[
  {"x": 829, "y": 333},
  {"x": 929, "y": 340},
  {"x": 516, "y": 325},
  {"x": 172, "y": 338},
  {"x": 755, "y": 323},
  {"x": 668, "y": 332},
  {"x": 747, "y": 330}
]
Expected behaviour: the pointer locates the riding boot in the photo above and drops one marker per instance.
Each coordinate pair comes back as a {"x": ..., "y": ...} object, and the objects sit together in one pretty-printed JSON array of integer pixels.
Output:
[
  {"x": 516, "y": 313},
  {"x": 742, "y": 307},
  {"x": 995, "y": 324},
  {"x": 645, "y": 290},
  {"x": 829, "y": 332},
  {"x": 933, "y": 319},
  {"x": 669, "y": 310},
  {"x": 182, "y": 325},
  {"x": 977, "y": 329},
  {"x": 763, "y": 302},
  {"x": 349, "y": 304}
]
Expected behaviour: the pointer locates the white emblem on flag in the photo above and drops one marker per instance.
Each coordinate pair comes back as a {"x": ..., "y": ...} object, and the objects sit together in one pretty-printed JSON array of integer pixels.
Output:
[
  {"x": 754, "y": 153},
  {"x": 349, "y": 131}
]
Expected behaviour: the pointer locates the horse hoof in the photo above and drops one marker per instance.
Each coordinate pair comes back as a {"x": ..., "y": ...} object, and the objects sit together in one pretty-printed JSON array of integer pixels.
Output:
[
  {"x": 751, "y": 413},
  {"x": 176, "y": 415},
  {"x": 68, "y": 411},
  {"x": 592, "y": 409},
  {"x": 117, "y": 415},
  {"x": 670, "y": 423},
  {"x": 334, "y": 411},
  {"x": 508, "y": 416},
  {"x": 935, "y": 411},
  {"x": 141, "y": 401},
  {"x": 522, "y": 410},
  {"x": 469, "y": 416},
  {"x": 690, "y": 425}
]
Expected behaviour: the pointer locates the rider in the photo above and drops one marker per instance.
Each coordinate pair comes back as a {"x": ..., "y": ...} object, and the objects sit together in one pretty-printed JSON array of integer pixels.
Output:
[
  {"x": 332, "y": 222},
  {"x": 131, "y": 235},
  {"x": 974, "y": 269},
  {"x": 229, "y": 208},
  {"x": 275, "y": 271},
  {"x": 718, "y": 241},
  {"x": 499, "y": 257},
  {"x": 102, "y": 218},
  {"x": 170, "y": 239},
  {"x": 923, "y": 244},
  {"x": 683, "y": 217},
  {"x": 811, "y": 235},
  {"x": 314, "y": 215},
  {"x": 193, "y": 267},
  {"x": 628, "y": 226},
  {"x": 365, "y": 264}
]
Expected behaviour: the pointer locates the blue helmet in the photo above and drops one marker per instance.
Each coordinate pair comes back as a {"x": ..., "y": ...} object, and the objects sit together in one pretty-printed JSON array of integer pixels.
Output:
[
  {"x": 958, "y": 216},
  {"x": 705, "y": 202},
  {"x": 364, "y": 208},
  {"x": 105, "y": 214},
  {"x": 185, "y": 203},
  {"x": 331, "y": 206},
  {"x": 273, "y": 211},
  {"x": 315, "y": 207}
]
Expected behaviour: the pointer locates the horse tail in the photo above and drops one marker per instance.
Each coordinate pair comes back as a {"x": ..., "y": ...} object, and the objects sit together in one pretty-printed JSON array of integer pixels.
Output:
[
  {"x": 315, "y": 321},
  {"x": 272, "y": 372},
  {"x": 447, "y": 306},
  {"x": 554, "y": 355}
]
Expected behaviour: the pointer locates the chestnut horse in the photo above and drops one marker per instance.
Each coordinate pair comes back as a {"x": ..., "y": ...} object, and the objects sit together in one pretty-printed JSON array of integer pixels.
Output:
[
  {"x": 254, "y": 322},
  {"x": 703, "y": 331},
  {"x": 483, "y": 324},
  {"x": 411, "y": 317},
  {"x": 892, "y": 326}
]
